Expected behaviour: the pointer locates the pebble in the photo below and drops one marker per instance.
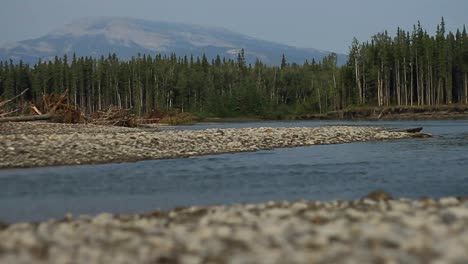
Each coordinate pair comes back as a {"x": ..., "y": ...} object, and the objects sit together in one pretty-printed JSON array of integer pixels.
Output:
[
  {"x": 448, "y": 201},
  {"x": 273, "y": 232}
]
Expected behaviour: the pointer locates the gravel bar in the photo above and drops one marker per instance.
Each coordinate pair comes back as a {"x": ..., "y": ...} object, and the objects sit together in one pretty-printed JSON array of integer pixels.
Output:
[
  {"x": 32, "y": 144},
  {"x": 361, "y": 231}
]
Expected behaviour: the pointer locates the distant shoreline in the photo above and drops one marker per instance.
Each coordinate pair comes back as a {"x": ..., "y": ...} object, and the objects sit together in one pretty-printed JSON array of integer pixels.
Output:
[{"x": 441, "y": 112}]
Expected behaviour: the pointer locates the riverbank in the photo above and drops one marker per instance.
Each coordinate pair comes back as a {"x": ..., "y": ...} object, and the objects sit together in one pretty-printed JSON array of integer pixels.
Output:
[
  {"x": 46, "y": 144},
  {"x": 436, "y": 112},
  {"x": 376, "y": 229},
  {"x": 364, "y": 113}
]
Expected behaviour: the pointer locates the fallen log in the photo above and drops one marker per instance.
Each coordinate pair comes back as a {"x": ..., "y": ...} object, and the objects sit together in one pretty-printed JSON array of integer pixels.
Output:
[
  {"x": 382, "y": 113},
  {"x": 408, "y": 130},
  {"x": 59, "y": 102},
  {"x": 11, "y": 99},
  {"x": 57, "y": 112},
  {"x": 8, "y": 113},
  {"x": 47, "y": 116}
]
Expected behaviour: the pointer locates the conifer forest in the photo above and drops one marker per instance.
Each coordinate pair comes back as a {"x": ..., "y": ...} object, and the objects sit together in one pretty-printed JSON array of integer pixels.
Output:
[{"x": 408, "y": 68}]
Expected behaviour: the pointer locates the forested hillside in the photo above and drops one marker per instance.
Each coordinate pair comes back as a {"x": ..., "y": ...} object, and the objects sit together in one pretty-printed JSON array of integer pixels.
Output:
[{"x": 411, "y": 68}]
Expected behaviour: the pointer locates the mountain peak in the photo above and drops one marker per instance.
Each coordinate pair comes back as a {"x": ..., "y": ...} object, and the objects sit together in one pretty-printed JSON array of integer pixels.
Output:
[{"x": 96, "y": 36}]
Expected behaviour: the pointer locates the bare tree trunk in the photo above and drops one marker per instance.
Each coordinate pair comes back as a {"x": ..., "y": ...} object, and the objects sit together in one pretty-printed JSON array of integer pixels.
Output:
[
  {"x": 378, "y": 88},
  {"x": 119, "y": 100},
  {"x": 422, "y": 88},
  {"x": 99, "y": 96},
  {"x": 130, "y": 99},
  {"x": 156, "y": 93},
  {"x": 358, "y": 80},
  {"x": 429, "y": 84},
  {"x": 418, "y": 88},
  {"x": 387, "y": 89},
  {"x": 406, "y": 81},
  {"x": 440, "y": 91},
  {"x": 364, "y": 82},
  {"x": 380, "y": 80},
  {"x": 319, "y": 99},
  {"x": 326, "y": 102},
  {"x": 448, "y": 87},
  {"x": 433, "y": 86},
  {"x": 90, "y": 104},
  {"x": 398, "y": 82},
  {"x": 411, "y": 84},
  {"x": 273, "y": 90},
  {"x": 334, "y": 91},
  {"x": 75, "y": 96},
  {"x": 140, "y": 93},
  {"x": 466, "y": 88}
]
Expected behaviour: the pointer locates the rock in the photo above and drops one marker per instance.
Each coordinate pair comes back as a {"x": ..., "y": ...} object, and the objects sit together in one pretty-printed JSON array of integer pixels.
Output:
[
  {"x": 68, "y": 217},
  {"x": 3, "y": 225},
  {"x": 102, "y": 219},
  {"x": 354, "y": 214},
  {"x": 279, "y": 212},
  {"x": 399, "y": 206},
  {"x": 299, "y": 206},
  {"x": 448, "y": 201},
  {"x": 378, "y": 195},
  {"x": 360, "y": 231},
  {"x": 456, "y": 212}
]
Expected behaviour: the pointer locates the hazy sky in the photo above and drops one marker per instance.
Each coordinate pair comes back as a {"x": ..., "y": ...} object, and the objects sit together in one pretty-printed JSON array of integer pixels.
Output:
[{"x": 322, "y": 24}]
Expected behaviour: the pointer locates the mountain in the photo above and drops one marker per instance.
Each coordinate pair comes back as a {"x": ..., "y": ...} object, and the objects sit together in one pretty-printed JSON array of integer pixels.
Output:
[{"x": 127, "y": 37}]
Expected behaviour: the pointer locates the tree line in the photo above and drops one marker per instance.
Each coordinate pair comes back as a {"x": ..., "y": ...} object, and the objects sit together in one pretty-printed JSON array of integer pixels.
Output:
[{"x": 411, "y": 68}]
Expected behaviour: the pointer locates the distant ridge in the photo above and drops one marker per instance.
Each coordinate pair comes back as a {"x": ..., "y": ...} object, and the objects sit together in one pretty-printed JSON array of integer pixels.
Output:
[{"x": 96, "y": 36}]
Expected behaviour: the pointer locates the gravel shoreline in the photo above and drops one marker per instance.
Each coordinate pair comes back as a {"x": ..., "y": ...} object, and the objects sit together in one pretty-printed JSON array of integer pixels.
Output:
[
  {"x": 44, "y": 144},
  {"x": 361, "y": 231}
]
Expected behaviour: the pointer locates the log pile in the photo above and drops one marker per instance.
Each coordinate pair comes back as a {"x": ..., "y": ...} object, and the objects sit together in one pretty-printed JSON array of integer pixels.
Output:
[
  {"x": 114, "y": 116},
  {"x": 57, "y": 111},
  {"x": 54, "y": 108},
  {"x": 155, "y": 116}
]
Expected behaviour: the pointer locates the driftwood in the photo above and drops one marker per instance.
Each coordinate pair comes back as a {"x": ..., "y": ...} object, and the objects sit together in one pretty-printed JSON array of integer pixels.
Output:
[
  {"x": 382, "y": 113},
  {"x": 408, "y": 130},
  {"x": 8, "y": 113},
  {"x": 47, "y": 116},
  {"x": 59, "y": 102},
  {"x": 415, "y": 132},
  {"x": 114, "y": 116},
  {"x": 11, "y": 99},
  {"x": 57, "y": 112},
  {"x": 37, "y": 111}
]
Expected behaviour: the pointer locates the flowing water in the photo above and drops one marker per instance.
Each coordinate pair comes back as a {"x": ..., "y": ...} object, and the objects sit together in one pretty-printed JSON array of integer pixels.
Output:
[{"x": 412, "y": 168}]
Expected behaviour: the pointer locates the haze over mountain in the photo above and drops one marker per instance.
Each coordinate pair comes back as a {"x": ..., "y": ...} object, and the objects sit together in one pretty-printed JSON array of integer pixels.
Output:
[{"x": 127, "y": 37}]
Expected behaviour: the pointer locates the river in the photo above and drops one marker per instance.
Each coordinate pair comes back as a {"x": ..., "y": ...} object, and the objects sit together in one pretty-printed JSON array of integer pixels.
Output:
[{"x": 411, "y": 168}]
